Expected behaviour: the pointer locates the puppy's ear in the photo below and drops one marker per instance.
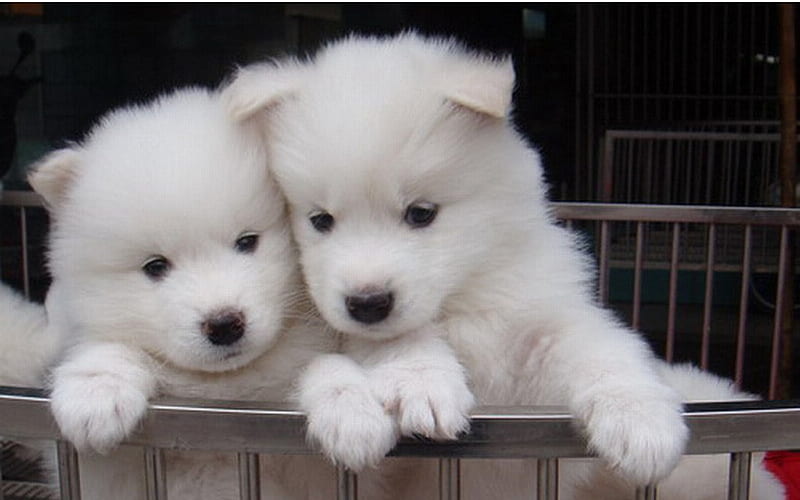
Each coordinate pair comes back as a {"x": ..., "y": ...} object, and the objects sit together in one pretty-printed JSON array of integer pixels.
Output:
[
  {"x": 52, "y": 175},
  {"x": 481, "y": 84},
  {"x": 256, "y": 87}
]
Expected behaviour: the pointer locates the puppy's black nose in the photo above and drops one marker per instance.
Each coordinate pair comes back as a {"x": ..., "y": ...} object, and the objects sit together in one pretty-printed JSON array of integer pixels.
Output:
[
  {"x": 369, "y": 308},
  {"x": 224, "y": 328}
]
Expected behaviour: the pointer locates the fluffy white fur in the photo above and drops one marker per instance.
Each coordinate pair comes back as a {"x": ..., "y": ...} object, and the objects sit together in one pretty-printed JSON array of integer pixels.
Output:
[
  {"x": 27, "y": 348},
  {"x": 701, "y": 477},
  {"x": 372, "y": 126},
  {"x": 359, "y": 403},
  {"x": 174, "y": 178}
]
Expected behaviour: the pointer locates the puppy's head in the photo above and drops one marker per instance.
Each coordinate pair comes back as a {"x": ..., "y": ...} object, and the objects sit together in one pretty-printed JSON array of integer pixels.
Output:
[
  {"x": 169, "y": 234},
  {"x": 395, "y": 157}
]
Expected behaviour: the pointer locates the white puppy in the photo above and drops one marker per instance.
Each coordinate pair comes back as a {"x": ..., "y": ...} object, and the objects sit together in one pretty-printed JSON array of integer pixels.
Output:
[
  {"x": 408, "y": 182},
  {"x": 173, "y": 274},
  {"x": 389, "y": 381}
]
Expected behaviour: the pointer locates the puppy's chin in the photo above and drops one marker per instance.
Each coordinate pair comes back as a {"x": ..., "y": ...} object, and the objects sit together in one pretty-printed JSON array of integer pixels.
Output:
[
  {"x": 220, "y": 359},
  {"x": 211, "y": 362}
]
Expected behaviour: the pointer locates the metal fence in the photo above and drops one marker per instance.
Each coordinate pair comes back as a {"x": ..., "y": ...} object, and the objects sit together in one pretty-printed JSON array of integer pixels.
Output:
[
  {"x": 731, "y": 168},
  {"x": 542, "y": 433},
  {"x": 647, "y": 65},
  {"x": 546, "y": 434}
]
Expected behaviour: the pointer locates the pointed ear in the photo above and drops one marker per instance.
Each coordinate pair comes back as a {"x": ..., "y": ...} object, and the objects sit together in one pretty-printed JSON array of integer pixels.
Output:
[
  {"x": 257, "y": 87},
  {"x": 53, "y": 174},
  {"x": 481, "y": 84}
]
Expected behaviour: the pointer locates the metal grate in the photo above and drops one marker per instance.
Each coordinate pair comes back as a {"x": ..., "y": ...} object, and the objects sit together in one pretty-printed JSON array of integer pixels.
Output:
[{"x": 646, "y": 66}]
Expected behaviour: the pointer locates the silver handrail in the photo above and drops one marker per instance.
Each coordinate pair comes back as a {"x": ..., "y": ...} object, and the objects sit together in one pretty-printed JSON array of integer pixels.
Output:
[{"x": 496, "y": 432}]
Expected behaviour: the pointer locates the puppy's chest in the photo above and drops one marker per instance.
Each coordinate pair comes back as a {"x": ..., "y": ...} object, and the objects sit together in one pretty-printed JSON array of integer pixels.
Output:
[
  {"x": 504, "y": 361},
  {"x": 225, "y": 386}
]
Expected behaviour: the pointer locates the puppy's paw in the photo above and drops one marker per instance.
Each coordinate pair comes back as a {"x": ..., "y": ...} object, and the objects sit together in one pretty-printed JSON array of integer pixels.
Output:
[
  {"x": 434, "y": 409},
  {"x": 345, "y": 418},
  {"x": 96, "y": 411},
  {"x": 353, "y": 428},
  {"x": 641, "y": 439}
]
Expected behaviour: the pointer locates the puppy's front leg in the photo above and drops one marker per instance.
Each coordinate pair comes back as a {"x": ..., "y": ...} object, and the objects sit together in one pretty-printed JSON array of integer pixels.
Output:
[
  {"x": 630, "y": 416},
  {"x": 420, "y": 379},
  {"x": 100, "y": 392},
  {"x": 345, "y": 417}
]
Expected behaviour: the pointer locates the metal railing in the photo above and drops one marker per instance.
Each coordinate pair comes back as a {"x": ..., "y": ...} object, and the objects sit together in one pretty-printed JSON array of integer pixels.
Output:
[
  {"x": 712, "y": 221},
  {"x": 547, "y": 434}
]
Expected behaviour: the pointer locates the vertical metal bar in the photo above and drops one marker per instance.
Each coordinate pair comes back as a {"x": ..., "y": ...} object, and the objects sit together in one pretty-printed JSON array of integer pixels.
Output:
[
  {"x": 155, "y": 474},
  {"x": 765, "y": 77},
  {"x": 249, "y": 476},
  {"x": 738, "y": 64},
  {"x": 547, "y": 479},
  {"x": 658, "y": 22},
  {"x": 590, "y": 104},
  {"x": 68, "y": 474},
  {"x": 787, "y": 104},
  {"x": 2, "y": 496},
  {"x": 671, "y": 89},
  {"x": 646, "y": 54},
  {"x": 648, "y": 492},
  {"x": 606, "y": 169},
  {"x": 673, "y": 292},
  {"x": 625, "y": 168},
  {"x": 712, "y": 58},
  {"x": 752, "y": 84},
  {"x": 449, "y": 479},
  {"x": 708, "y": 299},
  {"x": 602, "y": 283},
  {"x": 709, "y": 195},
  {"x": 748, "y": 157},
  {"x": 743, "y": 303},
  {"x": 637, "y": 276},
  {"x": 649, "y": 171},
  {"x": 346, "y": 484},
  {"x": 630, "y": 175},
  {"x": 632, "y": 63},
  {"x": 739, "y": 476},
  {"x": 672, "y": 154},
  {"x": 580, "y": 162},
  {"x": 698, "y": 71},
  {"x": 733, "y": 159},
  {"x": 619, "y": 48},
  {"x": 685, "y": 58},
  {"x": 776, "y": 335},
  {"x": 552, "y": 479},
  {"x": 23, "y": 227}
]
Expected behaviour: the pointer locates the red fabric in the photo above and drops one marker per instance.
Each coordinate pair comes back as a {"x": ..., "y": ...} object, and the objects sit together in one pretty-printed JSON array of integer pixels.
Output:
[{"x": 785, "y": 465}]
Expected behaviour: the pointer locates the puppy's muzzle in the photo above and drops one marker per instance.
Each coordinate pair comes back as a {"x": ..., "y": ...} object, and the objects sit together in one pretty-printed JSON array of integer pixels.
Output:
[
  {"x": 369, "y": 308},
  {"x": 224, "y": 328}
]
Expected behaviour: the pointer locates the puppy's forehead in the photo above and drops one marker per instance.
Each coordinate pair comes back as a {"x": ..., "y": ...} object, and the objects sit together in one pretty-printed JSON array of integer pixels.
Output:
[
  {"x": 185, "y": 168},
  {"x": 372, "y": 122}
]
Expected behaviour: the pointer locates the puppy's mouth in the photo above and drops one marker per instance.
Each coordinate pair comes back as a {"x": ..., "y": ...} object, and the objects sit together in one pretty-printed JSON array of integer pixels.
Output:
[{"x": 231, "y": 354}]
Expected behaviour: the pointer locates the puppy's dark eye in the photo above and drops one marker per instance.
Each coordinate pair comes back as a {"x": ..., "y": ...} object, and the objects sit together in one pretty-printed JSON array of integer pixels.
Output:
[
  {"x": 322, "y": 221},
  {"x": 156, "y": 267},
  {"x": 246, "y": 243},
  {"x": 420, "y": 214}
]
